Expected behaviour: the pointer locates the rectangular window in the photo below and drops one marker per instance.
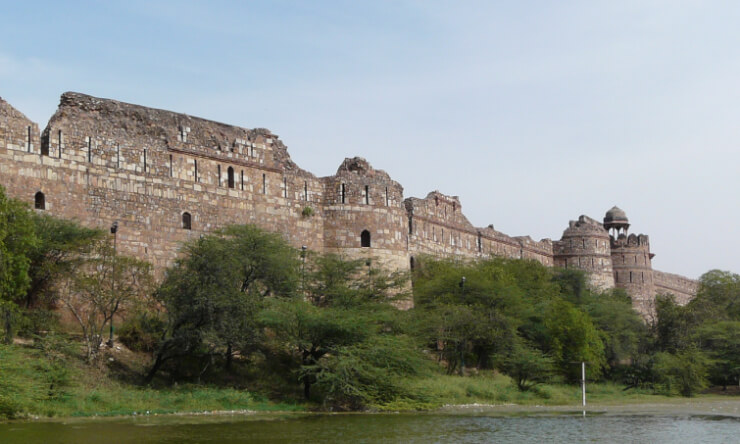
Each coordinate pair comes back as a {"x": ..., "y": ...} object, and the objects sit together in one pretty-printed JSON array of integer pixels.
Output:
[
  {"x": 264, "y": 183},
  {"x": 89, "y": 149},
  {"x": 305, "y": 191},
  {"x": 242, "y": 179},
  {"x": 195, "y": 170},
  {"x": 285, "y": 187},
  {"x": 343, "y": 193},
  {"x": 171, "y": 165},
  {"x": 60, "y": 144},
  {"x": 367, "y": 195},
  {"x": 218, "y": 175},
  {"x": 145, "y": 160},
  {"x": 386, "y": 196},
  {"x": 28, "y": 139},
  {"x": 118, "y": 156}
]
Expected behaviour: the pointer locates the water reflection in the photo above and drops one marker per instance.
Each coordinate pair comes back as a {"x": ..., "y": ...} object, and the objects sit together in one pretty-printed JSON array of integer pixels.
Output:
[{"x": 382, "y": 428}]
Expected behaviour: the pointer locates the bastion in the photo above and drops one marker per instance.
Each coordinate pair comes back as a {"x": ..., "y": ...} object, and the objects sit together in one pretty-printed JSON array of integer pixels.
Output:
[{"x": 168, "y": 177}]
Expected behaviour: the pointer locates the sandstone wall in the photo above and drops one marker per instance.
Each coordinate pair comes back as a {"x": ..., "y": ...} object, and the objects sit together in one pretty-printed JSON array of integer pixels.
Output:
[
  {"x": 100, "y": 161},
  {"x": 633, "y": 270},
  {"x": 683, "y": 288},
  {"x": 585, "y": 245}
]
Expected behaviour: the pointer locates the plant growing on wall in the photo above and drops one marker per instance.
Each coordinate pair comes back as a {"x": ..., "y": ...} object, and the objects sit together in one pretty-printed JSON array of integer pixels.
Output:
[{"x": 307, "y": 212}]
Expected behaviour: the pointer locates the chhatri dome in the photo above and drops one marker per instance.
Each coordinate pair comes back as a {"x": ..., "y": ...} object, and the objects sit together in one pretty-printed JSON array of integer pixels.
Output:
[{"x": 616, "y": 218}]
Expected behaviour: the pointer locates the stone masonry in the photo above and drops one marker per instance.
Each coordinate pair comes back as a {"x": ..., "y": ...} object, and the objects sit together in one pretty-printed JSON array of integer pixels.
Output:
[{"x": 168, "y": 177}]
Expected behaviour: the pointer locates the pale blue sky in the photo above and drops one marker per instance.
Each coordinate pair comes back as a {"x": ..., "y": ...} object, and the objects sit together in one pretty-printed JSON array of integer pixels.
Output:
[{"x": 532, "y": 112}]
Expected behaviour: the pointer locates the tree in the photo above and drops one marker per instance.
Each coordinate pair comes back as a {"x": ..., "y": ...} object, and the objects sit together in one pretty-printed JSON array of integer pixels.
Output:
[
  {"x": 721, "y": 342},
  {"x": 99, "y": 287},
  {"x": 17, "y": 240},
  {"x": 684, "y": 372},
  {"x": 313, "y": 332},
  {"x": 527, "y": 365},
  {"x": 61, "y": 246},
  {"x": 213, "y": 293},
  {"x": 572, "y": 338}
]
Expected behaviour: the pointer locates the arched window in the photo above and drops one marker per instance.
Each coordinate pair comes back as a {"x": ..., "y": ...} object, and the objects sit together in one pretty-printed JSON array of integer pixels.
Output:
[
  {"x": 186, "y": 221},
  {"x": 39, "y": 201},
  {"x": 230, "y": 172},
  {"x": 365, "y": 239}
]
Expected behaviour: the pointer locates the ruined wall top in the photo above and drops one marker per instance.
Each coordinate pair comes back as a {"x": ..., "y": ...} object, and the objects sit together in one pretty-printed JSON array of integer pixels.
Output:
[
  {"x": 585, "y": 226},
  {"x": 129, "y": 123}
]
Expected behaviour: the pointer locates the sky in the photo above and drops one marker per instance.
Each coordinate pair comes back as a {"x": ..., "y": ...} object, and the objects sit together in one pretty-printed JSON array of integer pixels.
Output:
[{"x": 532, "y": 112}]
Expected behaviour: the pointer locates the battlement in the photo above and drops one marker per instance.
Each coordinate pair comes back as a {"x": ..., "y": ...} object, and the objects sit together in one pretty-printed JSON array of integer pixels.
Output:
[{"x": 640, "y": 241}]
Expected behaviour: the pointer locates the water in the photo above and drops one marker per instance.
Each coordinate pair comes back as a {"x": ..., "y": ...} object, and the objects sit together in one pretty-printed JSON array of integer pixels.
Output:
[{"x": 380, "y": 428}]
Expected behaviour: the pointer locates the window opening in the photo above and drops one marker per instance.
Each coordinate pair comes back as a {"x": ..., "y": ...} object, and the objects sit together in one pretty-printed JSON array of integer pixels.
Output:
[
  {"x": 218, "y": 175},
  {"x": 195, "y": 169},
  {"x": 171, "y": 173},
  {"x": 39, "y": 201},
  {"x": 60, "y": 144},
  {"x": 343, "y": 193},
  {"x": 305, "y": 191},
  {"x": 186, "y": 221},
  {"x": 365, "y": 239},
  {"x": 367, "y": 195},
  {"x": 230, "y": 174},
  {"x": 264, "y": 183}
]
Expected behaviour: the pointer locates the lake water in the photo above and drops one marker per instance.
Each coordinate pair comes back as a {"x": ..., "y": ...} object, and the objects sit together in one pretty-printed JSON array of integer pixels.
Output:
[{"x": 380, "y": 428}]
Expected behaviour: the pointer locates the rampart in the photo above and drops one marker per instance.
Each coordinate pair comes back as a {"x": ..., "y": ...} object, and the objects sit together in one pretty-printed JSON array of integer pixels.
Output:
[{"x": 167, "y": 177}]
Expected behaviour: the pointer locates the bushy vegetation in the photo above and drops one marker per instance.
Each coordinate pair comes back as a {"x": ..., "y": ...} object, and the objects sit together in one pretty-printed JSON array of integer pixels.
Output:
[{"x": 242, "y": 312}]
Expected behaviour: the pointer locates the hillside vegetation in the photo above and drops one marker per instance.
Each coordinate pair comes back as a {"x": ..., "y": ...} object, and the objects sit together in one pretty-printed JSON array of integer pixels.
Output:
[{"x": 244, "y": 321}]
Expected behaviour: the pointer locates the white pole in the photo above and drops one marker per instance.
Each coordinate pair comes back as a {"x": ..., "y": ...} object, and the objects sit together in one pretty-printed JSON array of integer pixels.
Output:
[{"x": 583, "y": 382}]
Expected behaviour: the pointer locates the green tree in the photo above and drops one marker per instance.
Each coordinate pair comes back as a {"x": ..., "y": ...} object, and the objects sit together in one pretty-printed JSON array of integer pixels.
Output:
[
  {"x": 314, "y": 332},
  {"x": 526, "y": 365},
  {"x": 214, "y": 292},
  {"x": 684, "y": 372},
  {"x": 61, "y": 246},
  {"x": 17, "y": 240},
  {"x": 572, "y": 338},
  {"x": 721, "y": 342}
]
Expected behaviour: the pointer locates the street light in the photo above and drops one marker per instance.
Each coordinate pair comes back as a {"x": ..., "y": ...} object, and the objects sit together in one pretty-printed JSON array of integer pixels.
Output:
[{"x": 113, "y": 231}]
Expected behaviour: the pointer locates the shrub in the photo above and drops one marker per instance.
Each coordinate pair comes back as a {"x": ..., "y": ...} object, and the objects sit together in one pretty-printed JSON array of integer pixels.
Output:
[
  {"x": 684, "y": 373},
  {"x": 141, "y": 332}
]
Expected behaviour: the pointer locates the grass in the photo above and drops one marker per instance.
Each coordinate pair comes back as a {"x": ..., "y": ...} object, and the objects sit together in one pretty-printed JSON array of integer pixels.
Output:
[
  {"x": 30, "y": 386},
  {"x": 33, "y": 383},
  {"x": 497, "y": 389}
]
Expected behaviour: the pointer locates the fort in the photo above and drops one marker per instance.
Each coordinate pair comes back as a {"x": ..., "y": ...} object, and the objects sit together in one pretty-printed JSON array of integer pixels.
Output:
[{"x": 167, "y": 177}]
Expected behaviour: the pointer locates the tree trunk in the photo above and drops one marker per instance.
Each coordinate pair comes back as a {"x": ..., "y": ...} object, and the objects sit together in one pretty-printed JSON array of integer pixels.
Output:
[
  {"x": 157, "y": 364},
  {"x": 307, "y": 387},
  {"x": 8, "y": 326},
  {"x": 229, "y": 357}
]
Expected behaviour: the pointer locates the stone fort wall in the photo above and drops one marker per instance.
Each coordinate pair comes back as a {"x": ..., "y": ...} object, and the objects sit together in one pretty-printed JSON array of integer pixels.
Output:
[{"x": 168, "y": 177}]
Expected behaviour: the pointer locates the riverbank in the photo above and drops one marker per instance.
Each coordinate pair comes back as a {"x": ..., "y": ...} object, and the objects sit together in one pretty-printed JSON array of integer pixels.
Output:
[{"x": 34, "y": 387}]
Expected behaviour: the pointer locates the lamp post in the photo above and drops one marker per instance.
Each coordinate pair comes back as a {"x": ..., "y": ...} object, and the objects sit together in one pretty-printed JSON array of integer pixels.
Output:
[
  {"x": 464, "y": 342},
  {"x": 113, "y": 231},
  {"x": 303, "y": 269}
]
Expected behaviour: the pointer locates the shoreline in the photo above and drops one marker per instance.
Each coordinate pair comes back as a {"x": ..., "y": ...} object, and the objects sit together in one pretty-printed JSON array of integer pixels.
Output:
[{"x": 707, "y": 407}]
